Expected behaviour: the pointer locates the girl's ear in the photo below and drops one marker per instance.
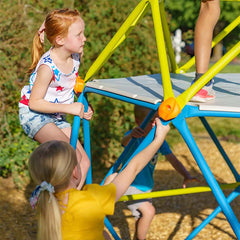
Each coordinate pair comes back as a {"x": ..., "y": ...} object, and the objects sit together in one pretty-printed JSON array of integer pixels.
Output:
[
  {"x": 60, "y": 40},
  {"x": 75, "y": 173}
]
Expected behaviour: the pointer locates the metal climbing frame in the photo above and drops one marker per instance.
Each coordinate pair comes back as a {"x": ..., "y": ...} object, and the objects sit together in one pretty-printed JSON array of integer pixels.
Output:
[{"x": 171, "y": 109}]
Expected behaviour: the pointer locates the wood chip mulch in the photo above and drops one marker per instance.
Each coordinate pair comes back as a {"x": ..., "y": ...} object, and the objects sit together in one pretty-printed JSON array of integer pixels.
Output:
[{"x": 175, "y": 216}]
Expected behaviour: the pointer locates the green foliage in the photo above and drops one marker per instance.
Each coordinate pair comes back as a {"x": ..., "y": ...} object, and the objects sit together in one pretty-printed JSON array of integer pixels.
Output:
[
  {"x": 15, "y": 149},
  {"x": 183, "y": 14},
  {"x": 111, "y": 120},
  {"x": 136, "y": 55},
  {"x": 127, "y": 60},
  {"x": 19, "y": 20},
  {"x": 230, "y": 11}
]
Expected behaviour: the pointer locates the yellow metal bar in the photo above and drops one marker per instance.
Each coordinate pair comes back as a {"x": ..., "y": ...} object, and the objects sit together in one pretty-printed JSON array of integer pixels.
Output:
[
  {"x": 166, "y": 82},
  {"x": 167, "y": 38},
  {"x": 186, "y": 66},
  {"x": 135, "y": 16},
  {"x": 216, "y": 68},
  {"x": 216, "y": 40},
  {"x": 175, "y": 192}
]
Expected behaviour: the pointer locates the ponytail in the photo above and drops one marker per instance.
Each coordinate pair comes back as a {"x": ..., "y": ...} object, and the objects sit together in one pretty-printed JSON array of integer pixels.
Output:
[
  {"x": 49, "y": 221},
  {"x": 51, "y": 165},
  {"x": 37, "y": 51}
]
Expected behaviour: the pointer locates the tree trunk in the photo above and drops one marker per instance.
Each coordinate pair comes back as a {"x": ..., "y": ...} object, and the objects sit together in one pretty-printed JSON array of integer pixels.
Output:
[
  {"x": 218, "y": 49},
  {"x": 217, "y": 52}
]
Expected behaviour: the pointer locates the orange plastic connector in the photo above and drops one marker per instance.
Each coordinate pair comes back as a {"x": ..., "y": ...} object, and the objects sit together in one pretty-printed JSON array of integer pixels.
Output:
[
  {"x": 169, "y": 109},
  {"x": 79, "y": 85}
]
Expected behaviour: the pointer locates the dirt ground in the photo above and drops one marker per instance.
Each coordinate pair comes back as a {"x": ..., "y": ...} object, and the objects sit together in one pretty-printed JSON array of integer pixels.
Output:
[{"x": 175, "y": 216}]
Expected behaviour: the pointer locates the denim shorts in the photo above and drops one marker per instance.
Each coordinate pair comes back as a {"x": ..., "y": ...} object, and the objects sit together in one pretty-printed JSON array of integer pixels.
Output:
[{"x": 32, "y": 121}]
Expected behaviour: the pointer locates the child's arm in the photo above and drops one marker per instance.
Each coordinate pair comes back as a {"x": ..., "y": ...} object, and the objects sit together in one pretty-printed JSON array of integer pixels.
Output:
[
  {"x": 180, "y": 169},
  {"x": 39, "y": 89},
  {"x": 124, "y": 179},
  {"x": 136, "y": 132}
]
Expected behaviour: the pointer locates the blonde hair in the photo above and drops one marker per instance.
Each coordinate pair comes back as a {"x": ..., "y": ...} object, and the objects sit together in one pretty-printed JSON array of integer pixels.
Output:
[
  {"x": 57, "y": 23},
  {"x": 52, "y": 162}
]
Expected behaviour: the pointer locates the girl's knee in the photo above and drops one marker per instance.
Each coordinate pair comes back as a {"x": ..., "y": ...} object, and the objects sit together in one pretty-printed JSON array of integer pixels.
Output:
[
  {"x": 152, "y": 210},
  {"x": 147, "y": 209},
  {"x": 213, "y": 9}
]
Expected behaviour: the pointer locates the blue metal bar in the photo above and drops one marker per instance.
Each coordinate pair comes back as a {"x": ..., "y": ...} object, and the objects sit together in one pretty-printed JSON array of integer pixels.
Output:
[
  {"x": 86, "y": 134},
  {"x": 76, "y": 126},
  {"x": 148, "y": 139},
  {"x": 230, "y": 198},
  {"x": 122, "y": 98},
  {"x": 111, "y": 229},
  {"x": 129, "y": 154},
  {"x": 220, "y": 148},
  {"x": 87, "y": 143},
  {"x": 180, "y": 123},
  {"x": 87, "y": 148},
  {"x": 130, "y": 148},
  {"x": 193, "y": 111}
]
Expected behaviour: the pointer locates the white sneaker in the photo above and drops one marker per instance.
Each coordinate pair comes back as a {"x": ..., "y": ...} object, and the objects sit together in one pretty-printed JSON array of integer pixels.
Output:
[{"x": 205, "y": 94}]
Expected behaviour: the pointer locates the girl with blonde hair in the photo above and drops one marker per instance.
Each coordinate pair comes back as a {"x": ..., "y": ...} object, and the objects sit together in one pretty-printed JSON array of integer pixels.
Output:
[
  {"x": 50, "y": 94},
  {"x": 64, "y": 211}
]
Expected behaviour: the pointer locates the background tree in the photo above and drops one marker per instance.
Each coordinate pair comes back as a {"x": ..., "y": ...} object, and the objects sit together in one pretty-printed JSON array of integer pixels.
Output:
[{"x": 183, "y": 14}]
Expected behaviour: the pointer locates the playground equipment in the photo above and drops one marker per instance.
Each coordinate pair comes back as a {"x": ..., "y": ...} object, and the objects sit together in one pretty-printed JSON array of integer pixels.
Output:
[{"x": 169, "y": 94}]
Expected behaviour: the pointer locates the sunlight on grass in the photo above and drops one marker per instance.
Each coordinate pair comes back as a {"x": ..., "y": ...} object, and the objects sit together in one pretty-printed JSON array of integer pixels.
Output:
[
  {"x": 230, "y": 68},
  {"x": 226, "y": 129}
]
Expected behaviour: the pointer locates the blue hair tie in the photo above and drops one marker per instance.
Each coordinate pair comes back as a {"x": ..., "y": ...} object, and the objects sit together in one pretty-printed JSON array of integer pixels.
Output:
[{"x": 44, "y": 186}]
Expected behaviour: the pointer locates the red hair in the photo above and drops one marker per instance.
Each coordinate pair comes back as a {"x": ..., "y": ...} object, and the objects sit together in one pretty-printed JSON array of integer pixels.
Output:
[{"x": 57, "y": 23}]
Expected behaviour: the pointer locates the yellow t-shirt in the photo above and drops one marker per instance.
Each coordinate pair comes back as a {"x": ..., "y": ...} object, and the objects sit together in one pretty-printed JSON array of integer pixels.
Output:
[{"x": 83, "y": 218}]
